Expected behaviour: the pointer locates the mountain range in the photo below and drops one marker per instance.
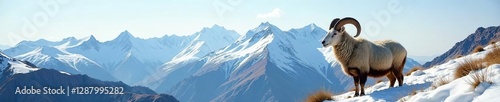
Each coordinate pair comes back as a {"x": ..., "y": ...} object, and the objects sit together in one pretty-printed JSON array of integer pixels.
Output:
[
  {"x": 214, "y": 64},
  {"x": 16, "y": 74},
  {"x": 125, "y": 58}
]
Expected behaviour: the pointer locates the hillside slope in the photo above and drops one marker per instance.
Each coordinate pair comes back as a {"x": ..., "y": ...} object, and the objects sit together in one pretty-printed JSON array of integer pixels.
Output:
[{"x": 479, "y": 38}]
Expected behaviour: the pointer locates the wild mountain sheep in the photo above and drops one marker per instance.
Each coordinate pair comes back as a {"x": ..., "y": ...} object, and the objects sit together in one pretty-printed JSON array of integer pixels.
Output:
[{"x": 361, "y": 58}]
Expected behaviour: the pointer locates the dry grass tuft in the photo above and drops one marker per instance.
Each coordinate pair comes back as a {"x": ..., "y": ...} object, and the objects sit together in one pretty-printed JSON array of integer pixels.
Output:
[
  {"x": 478, "y": 49},
  {"x": 493, "y": 57},
  {"x": 320, "y": 96},
  {"x": 468, "y": 65},
  {"x": 378, "y": 81},
  {"x": 479, "y": 77},
  {"x": 459, "y": 56},
  {"x": 414, "y": 69},
  {"x": 440, "y": 82}
]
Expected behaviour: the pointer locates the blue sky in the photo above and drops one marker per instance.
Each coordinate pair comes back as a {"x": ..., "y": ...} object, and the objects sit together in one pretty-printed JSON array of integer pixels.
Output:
[{"x": 425, "y": 27}]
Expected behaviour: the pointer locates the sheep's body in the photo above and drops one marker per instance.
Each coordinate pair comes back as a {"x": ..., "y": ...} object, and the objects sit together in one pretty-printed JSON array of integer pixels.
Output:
[
  {"x": 376, "y": 56},
  {"x": 397, "y": 50},
  {"x": 361, "y": 58}
]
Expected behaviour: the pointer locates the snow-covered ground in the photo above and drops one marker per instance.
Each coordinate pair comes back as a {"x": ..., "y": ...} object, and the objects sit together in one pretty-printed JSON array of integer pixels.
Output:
[{"x": 418, "y": 86}]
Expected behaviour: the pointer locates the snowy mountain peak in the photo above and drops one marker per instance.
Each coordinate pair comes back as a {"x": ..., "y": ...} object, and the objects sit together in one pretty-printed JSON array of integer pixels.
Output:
[
  {"x": 33, "y": 43},
  {"x": 123, "y": 39},
  {"x": 92, "y": 38},
  {"x": 208, "y": 40},
  {"x": 310, "y": 31},
  {"x": 265, "y": 23},
  {"x": 43, "y": 42},
  {"x": 90, "y": 43},
  {"x": 214, "y": 27},
  {"x": 312, "y": 26},
  {"x": 263, "y": 30},
  {"x": 308, "y": 28},
  {"x": 217, "y": 32},
  {"x": 264, "y": 26},
  {"x": 69, "y": 39},
  {"x": 125, "y": 35}
]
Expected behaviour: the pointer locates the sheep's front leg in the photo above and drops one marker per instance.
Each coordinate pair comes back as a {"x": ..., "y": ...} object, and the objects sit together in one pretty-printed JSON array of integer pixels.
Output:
[
  {"x": 356, "y": 84},
  {"x": 354, "y": 72},
  {"x": 392, "y": 79}
]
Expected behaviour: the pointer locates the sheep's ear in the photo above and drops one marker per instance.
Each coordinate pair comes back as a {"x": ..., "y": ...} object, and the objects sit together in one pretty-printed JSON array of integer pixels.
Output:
[{"x": 342, "y": 29}]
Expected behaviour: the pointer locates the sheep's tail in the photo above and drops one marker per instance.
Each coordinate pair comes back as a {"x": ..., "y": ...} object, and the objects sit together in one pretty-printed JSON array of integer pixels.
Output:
[
  {"x": 401, "y": 77},
  {"x": 404, "y": 62}
]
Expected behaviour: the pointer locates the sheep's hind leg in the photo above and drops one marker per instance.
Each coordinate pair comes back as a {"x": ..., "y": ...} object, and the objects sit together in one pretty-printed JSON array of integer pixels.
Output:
[
  {"x": 362, "y": 79},
  {"x": 399, "y": 76},
  {"x": 398, "y": 72}
]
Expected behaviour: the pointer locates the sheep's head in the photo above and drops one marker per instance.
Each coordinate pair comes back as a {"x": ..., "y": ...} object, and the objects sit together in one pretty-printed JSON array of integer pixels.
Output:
[{"x": 337, "y": 30}]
